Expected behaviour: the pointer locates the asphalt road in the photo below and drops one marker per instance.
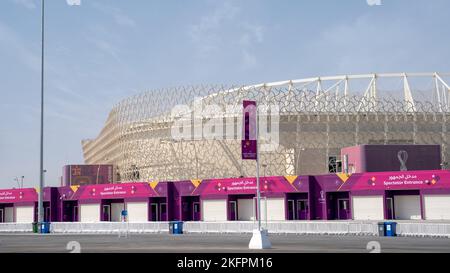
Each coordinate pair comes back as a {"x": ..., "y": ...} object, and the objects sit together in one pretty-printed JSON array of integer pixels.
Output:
[{"x": 196, "y": 243}]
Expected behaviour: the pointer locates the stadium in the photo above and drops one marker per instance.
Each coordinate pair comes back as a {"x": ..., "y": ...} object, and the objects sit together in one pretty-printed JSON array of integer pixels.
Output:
[{"x": 316, "y": 118}]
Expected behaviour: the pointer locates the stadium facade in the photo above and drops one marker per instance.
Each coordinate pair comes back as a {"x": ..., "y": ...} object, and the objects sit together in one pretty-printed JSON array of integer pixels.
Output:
[{"x": 316, "y": 118}]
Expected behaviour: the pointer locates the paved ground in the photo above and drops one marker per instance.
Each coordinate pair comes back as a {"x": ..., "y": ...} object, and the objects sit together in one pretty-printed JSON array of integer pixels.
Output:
[{"x": 192, "y": 243}]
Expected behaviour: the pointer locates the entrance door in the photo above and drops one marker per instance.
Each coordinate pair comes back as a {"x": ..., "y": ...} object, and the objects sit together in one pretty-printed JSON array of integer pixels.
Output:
[
  {"x": 343, "y": 208},
  {"x": 390, "y": 208},
  {"x": 75, "y": 214},
  {"x": 246, "y": 210},
  {"x": 154, "y": 212},
  {"x": 163, "y": 212},
  {"x": 107, "y": 213},
  {"x": 2, "y": 216},
  {"x": 291, "y": 210},
  {"x": 196, "y": 211},
  {"x": 233, "y": 211},
  {"x": 407, "y": 207},
  {"x": 302, "y": 207},
  {"x": 47, "y": 214}
]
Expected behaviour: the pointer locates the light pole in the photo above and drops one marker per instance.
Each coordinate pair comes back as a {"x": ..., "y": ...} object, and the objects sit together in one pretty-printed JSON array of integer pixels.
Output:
[
  {"x": 260, "y": 238},
  {"x": 41, "y": 169},
  {"x": 17, "y": 181},
  {"x": 258, "y": 191}
]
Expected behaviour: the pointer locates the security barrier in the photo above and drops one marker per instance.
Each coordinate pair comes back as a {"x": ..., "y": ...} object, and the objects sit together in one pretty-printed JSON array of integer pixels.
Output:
[
  {"x": 16, "y": 228},
  {"x": 319, "y": 228},
  {"x": 356, "y": 228},
  {"x": 110, "y": 227},
  {"x": 424, "y": 229}
]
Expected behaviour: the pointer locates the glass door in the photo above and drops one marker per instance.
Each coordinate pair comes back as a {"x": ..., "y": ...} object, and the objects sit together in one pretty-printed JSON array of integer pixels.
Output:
[
  {"x": 233, "y": 211},
  {"x": 343, "y": 207},
  {"x": 390, "y": 208},
  {"x": 154, "y": 212},
  {"x": 107, "y": 213},
  {"x": 291, "y": 210},
  {"x": 302, "y": 206},
  {"x": 163, "y": 212}
]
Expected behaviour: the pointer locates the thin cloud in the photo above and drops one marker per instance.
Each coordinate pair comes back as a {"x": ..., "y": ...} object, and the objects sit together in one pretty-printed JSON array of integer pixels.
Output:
[
  {"x": 10, "y": 41},
  {"x": 222, "y": 28},
  {"x": 29, "y": 4},
  {"x": 117, "y": 14}
]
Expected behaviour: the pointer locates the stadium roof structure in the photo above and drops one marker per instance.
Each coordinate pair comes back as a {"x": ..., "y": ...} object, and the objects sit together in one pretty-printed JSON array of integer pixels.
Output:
[{"x": 323, "y": 114}]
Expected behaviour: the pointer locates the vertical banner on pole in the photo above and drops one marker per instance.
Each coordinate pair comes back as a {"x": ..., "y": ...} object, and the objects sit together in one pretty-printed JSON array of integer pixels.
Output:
[{"x": 249, "y": 142}]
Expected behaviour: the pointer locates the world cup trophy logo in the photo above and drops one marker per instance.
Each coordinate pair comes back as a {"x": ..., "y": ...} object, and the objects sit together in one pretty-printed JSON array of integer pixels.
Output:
[{"x": 403, "y": 158}]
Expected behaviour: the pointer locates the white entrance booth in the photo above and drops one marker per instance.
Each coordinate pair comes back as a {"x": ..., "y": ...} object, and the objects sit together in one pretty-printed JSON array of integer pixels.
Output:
[
  {"x": 214, "y": 210},
  {"x": 437, "y": 207},
  {"x": 407, "y": 207},
  {"x": 368, "y": 207}
]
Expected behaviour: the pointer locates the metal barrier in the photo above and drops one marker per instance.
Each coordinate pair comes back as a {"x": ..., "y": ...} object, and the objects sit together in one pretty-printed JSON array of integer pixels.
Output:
[
  {"x": 110, "y": 227},
  {"x": 320, "y": 228},
  {"x": 417, "y": 229},
  {"x": 16, "y": 227},
  {"x": 424, "y": 229}
]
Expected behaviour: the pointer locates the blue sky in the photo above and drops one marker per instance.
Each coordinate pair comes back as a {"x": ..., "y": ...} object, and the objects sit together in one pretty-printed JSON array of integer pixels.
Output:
[{"x": 105, "y": 50}]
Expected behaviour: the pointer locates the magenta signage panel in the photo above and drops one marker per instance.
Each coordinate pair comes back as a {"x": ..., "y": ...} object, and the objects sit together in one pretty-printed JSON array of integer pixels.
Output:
[
  {"x": 407, "y": 180},
  {"x": 248, "y": 186},
  {"x": 115, "y": 191},
  {"x": 249, "y": 143},
  {"x": 18, "y": 195}
]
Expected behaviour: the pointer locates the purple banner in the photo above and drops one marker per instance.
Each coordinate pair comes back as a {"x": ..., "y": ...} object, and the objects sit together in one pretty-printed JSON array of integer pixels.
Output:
[{"x": 249, "y": 143}]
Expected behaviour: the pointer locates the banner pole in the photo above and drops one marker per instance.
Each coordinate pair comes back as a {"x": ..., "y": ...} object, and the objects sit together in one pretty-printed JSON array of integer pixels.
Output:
[{"x": 258, "y": 209}]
